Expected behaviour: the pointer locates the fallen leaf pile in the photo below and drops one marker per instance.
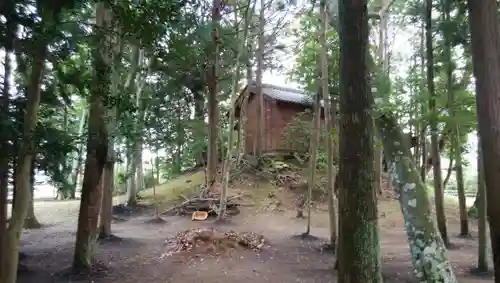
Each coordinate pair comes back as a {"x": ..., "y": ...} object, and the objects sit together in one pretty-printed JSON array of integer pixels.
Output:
[{"x": 206, "y": 240}]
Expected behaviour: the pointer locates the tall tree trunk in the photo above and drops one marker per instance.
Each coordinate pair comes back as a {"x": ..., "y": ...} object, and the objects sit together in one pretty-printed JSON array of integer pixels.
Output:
[
  {"x": 448, "y": 172},
  {"x": 485, "y": 38},
  {"x": 234, "y": 95},
  {"x": 140, "y": 170},
  {"x": 428, "y": 252},
  {"x": 455, "y": 132},
  {"x": 313, "y": 159},
  {"x": 78, "y": 157},
  {"x": 261, "y": 138},
  {"x": 332, "y": 215},
  {"x": 24, "y": 160},
  {"x": 180, "y": 142},
  {"x": 482, "y": 252},
  {"x": 423, "y": 108},
  {"x": 212, "y": 96},
  {"x": 359, "y": 256},
  {"x": 108, "y": 181},
  {"x": 97, "y": 147},
  {"x": 31, "y": 222},
  {"x": 5, "y": 149},
  {"x": 438, "y": 182},
  {"x": 136, "y": 173},
  {"x": 106, "y": 212}
]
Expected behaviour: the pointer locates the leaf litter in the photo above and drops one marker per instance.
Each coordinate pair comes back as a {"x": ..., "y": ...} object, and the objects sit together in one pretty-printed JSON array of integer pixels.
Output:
[{"x": 212, "y": 241}]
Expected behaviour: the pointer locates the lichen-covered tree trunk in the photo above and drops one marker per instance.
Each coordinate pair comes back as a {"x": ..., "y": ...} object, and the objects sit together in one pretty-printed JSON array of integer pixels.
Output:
[
  {"x": 359, "y": 250},
  {"x": 213, "y": 86},
  {"x": 485, "y": 38},
  {"x": 427, "y": 248},
  {"x": 482, "y": 244},
  {"x": 24, "y": 160},
  {"x": 332, "y": 215},
  {"x": 436, "y": 158},
  {"x": 97, "y": 146}
]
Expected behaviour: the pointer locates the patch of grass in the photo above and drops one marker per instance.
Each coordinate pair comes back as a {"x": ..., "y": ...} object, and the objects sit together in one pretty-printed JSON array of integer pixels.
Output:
[{"x": 173, "y": 190}]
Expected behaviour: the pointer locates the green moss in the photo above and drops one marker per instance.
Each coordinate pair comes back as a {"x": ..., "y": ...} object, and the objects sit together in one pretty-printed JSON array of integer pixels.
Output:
[{"x": 174, "y": 189}]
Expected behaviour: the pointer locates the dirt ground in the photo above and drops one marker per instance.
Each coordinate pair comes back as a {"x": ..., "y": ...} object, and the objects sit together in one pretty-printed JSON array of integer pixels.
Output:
[{"x": 140, "y": 253}]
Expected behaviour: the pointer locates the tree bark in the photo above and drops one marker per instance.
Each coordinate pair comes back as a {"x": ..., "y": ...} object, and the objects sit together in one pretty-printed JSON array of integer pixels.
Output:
[
  {"x": 31, "y": 222},
  {"x": 313, "y": 151},
  {"x": 234, "y": 94},
  {"x": 359, "y": 249},
  {"x": 427, "y": 248},
  {"x": 97, "y": 148},
  {"x": 24, "y": 160},
  {"x": 78, "y": 157},
  {"x": 332, "y": 214},
  {"x": 261, "y": 139},
  {"x": 436, "y": 158},
  {"x": 212, "y": 96},
  {"x": 485, "y": 38},
  {"x": 106, "y": 212},
  {"x": 482, "y": 252},
  {"x": 5, "y": 148}
]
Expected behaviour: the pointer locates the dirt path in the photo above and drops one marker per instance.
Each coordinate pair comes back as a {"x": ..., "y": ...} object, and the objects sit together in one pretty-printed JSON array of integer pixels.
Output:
[{"x": 140, "y": 255}]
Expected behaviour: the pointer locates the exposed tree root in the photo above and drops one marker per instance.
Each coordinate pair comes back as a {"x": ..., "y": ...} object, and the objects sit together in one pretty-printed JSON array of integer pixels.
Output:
[{"x": 32, "y": 223}]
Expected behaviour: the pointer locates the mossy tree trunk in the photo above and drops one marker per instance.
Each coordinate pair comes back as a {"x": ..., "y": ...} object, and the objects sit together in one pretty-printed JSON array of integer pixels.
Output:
[
  {"x": 485, "y": 42},
  {"x": 427, "y": 248},
  {"x": 359, "y": 250},
  {"x": 97, "y": 146}
]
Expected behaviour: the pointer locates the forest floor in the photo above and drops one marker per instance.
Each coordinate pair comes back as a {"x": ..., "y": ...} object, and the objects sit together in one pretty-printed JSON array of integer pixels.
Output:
[{"x": 140, "y": 253}]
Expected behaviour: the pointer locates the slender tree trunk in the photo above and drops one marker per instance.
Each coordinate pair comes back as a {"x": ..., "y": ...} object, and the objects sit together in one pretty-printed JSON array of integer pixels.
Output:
[
  {"x": 31, "y": 222},
  {"x": 359, "y": 255},
  {"x": 485, "y": 38},
  {"x": 332, "y": 214},
  {"x": 423, "y": 108},
  {"x": 455, "y": 133},
  {"x": 482, "y": 252},
  {"x": 438, "y": 182},
  {"x": 212, "y": 96},
  {"x": 140, "y": 170},
  {"x": 97, "y": 147},
  {"x": 78, "y": 157},
  {"x": 448, "y": 172},
  {"x": 311, "y": 181},
  {"x": 234, "y": 94},
  {"x": 5, "y": 149},
  {"x": 261, "y": 138},
  {"x": 24, "y": 160}
]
